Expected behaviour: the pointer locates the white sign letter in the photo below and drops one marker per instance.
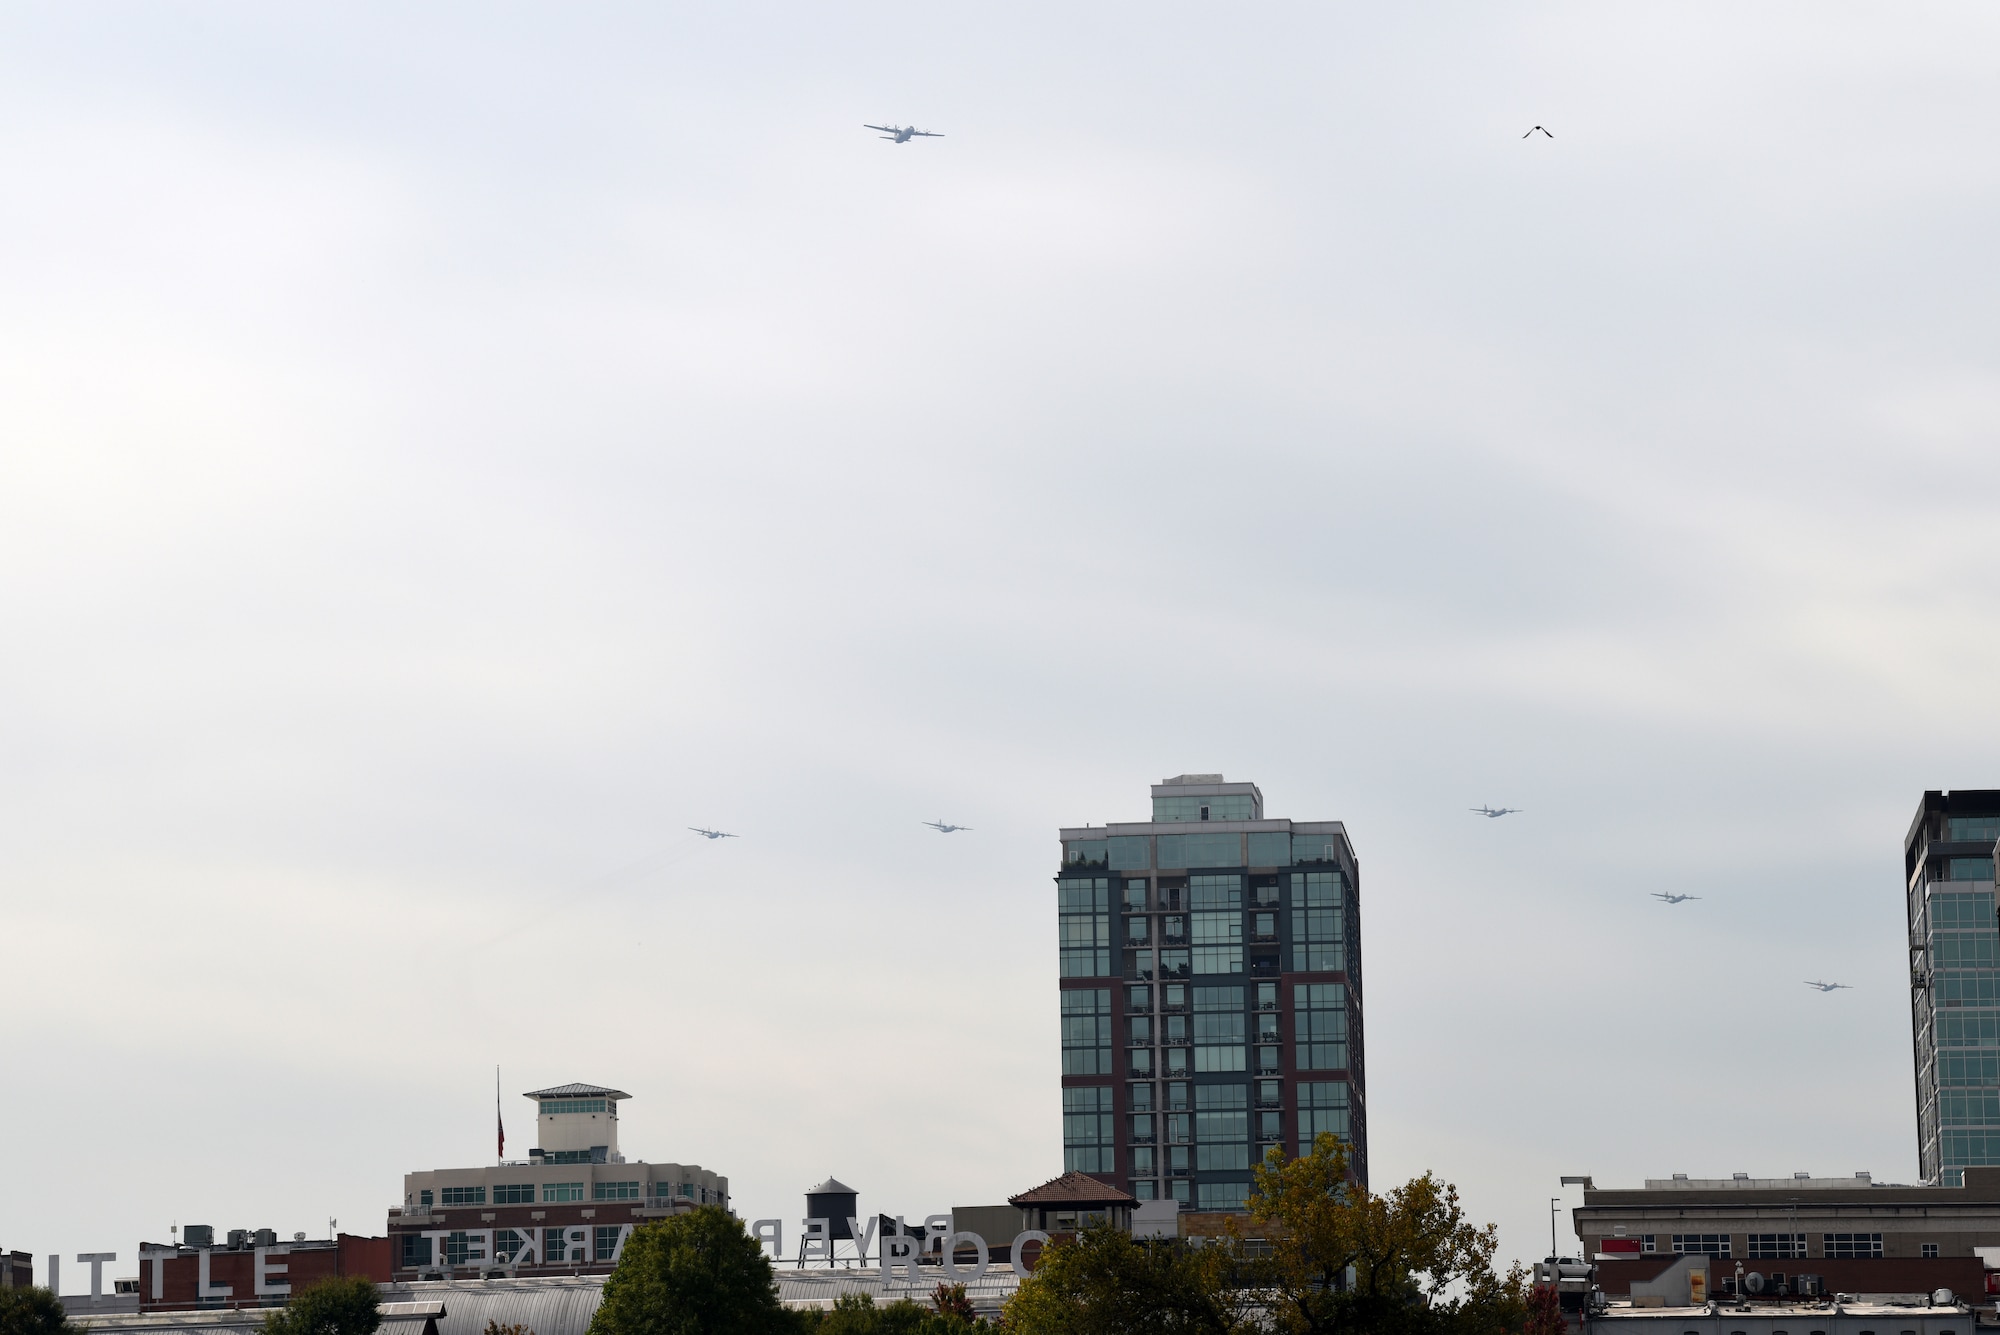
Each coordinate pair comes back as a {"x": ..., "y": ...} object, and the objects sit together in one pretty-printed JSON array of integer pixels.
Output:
[
  {"x": 260, "y": 1274},
  {"x": 96, "y": 1260},
  {"x": 202, "y": 1287},
  {"x": 977, "y": 1272},
  {"x": 1021, "y": 1240},
  {"x": 862, "y": 1237},
  {"x": 773, "y": 1232}
]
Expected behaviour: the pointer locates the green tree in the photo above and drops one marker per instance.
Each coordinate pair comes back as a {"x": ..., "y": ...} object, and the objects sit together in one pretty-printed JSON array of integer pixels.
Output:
[
  {"x": 1106, "y": 1282},
  {"x": 345, "y": 1305},
  {"x": 693, "y": 1274},
  {"x": 1346, "y": 1260},
  {"x": 33, "y": 1312},
  {"x": 857, "y": 1314}
]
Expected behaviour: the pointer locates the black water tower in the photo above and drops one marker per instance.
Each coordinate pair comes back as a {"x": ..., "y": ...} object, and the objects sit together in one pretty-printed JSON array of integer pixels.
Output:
[{"x": 833, "y": 1201}]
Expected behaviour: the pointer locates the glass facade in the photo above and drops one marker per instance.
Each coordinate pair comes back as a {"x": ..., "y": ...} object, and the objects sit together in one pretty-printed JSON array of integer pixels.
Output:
[
  {"x": 1203, "y": 1049},
  {"x": 1955, "y": 988}
]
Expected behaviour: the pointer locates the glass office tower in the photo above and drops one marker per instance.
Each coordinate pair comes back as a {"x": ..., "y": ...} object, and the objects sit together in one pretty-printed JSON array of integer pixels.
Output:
[
  {"x": 1954, "y": 980},
  {"x": 1211, "y": 993}
]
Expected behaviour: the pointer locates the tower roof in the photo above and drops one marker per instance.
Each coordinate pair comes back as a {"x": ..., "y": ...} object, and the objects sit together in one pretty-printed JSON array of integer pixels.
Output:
[
  {"x": 833, "y": 1186},
  {"x": 576, "y": 1091},
  {"x": 1074, "y": 1188}
]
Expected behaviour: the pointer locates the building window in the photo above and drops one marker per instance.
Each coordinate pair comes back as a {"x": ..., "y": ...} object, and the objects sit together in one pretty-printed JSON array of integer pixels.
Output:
[
  {"x": 1968, "y": 869},
  {"x": 1142, "y": 1160},
  {"x": 1775, "y": 1246},
  {"x": 1967, "y": 1148},
  {"x": 1088, "y": 1131},
  {"x": 1322, "y": 1110},
  {"x": 416, "y": 1251},
  {"x": 465, "y": 1195},
  {"x": 1964, "y": 950},
  {"x": 1218, "y": 942},
  {"x": 1270, "y": 1127},
  {"x": 458, "y": 1250},
  {"x": 550, "y": 1107},
  {"x": 1083, "y": 909},
  {"x": 1218, "y": 1028},
  {"x": 556, "y": 1243},
  {"x": 614, "y": 1191},
  {"x": 1086, "y": 853},
  {"x": 1317, "y": 921},
  {"x": 1844, "y": 1245},
  {"x": 514, "y": 1193},
  {"x": 507, "y": 1244},
  {"x": 1140, "y": 1097},
  {"x": 1222, "y": 1128},
  {"x": 1319, "y": 1026},
  {"x": 1228, "y": 806},
  {"x": 1145, "y": 1191},
  {"x": 424, "y": 1198},
  {"x": 608, "y": 1241},
  {"x": 1086, "y": 1031},
  {"x": 1222, "y": 1195},
  {"x": 1139, "y": 1030},
  {"x": 557, "y": 1193},
  {"x": 1701, "y": 1244},
  {"x": 1142, "y": 1128},
  {"x": 1200, "y": 850},
  {"x": 1646, "y": 1244},
  {"x": 1972, "y": 829},
  {"x": 1930, "y": 1250}
]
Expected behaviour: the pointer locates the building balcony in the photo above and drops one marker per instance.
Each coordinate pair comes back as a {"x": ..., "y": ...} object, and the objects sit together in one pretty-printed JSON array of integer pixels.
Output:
[
  {"x": 1264, "y": 938},
  {"x": 1169, "y": 939}
]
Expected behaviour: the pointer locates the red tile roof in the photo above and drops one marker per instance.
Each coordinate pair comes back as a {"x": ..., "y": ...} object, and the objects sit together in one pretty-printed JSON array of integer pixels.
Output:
[{"x": 1074, "y": 1189}]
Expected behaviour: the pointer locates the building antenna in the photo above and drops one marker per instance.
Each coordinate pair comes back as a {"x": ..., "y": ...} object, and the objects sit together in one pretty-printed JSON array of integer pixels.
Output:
[{"x": 1554, "y": 1202}]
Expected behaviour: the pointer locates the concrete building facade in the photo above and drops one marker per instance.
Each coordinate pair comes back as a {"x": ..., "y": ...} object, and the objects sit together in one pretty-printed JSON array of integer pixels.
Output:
[
  {"x": 1210, "y": 988},
  {"x": 566, "y": 1209}
]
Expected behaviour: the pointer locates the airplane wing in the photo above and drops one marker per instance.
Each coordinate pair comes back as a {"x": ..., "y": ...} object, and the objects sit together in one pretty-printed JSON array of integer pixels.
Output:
[
  {"x": 887, "y": 129},
  {"x": 928, "y": 134}
]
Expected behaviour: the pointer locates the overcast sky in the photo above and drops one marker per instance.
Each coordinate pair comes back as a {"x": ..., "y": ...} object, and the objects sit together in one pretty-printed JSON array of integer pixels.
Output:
[{"x": 446, "y": 451}]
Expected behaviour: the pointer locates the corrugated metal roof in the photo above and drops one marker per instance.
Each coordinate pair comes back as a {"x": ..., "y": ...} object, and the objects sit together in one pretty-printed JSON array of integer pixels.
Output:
[
  {"x": 398, "y": 1318},
  {"x": 819, "y": 1288},
  {"x": 545, "y": 1305},
  {"x": 549, "y": 1305},
  {"x": 576, "y": 1091}
]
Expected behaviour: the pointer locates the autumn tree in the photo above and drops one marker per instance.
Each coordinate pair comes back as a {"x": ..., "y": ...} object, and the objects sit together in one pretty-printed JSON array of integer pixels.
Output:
[
  {"x": 1106, "y": 1282},
  {"x": 1346, "y": 1261}
]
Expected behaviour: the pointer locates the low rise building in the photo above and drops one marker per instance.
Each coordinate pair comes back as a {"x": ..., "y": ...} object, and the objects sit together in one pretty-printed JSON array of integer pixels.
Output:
[
  {"x": 17, "y": 1270},
  {"x": 252, "y": 1268},
  {"x": 566, "y": 1209},
  {"x": 1791, "y": 1235}
]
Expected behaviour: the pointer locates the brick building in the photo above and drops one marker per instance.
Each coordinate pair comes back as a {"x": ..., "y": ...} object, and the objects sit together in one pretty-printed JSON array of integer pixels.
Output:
[
  {"x": 251, "y": 1269},
  {"x": 1839, "y": 1234}
]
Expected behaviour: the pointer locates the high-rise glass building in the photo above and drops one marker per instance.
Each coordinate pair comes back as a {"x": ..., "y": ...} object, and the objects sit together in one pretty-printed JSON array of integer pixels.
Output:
[
  {"x": 1954, "y": 980},
  {"x": 1211, "y": 993}
]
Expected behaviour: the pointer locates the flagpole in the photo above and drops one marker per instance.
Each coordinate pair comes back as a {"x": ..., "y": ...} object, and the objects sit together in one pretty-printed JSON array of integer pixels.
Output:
[{"x": 499, "y": 1120}]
